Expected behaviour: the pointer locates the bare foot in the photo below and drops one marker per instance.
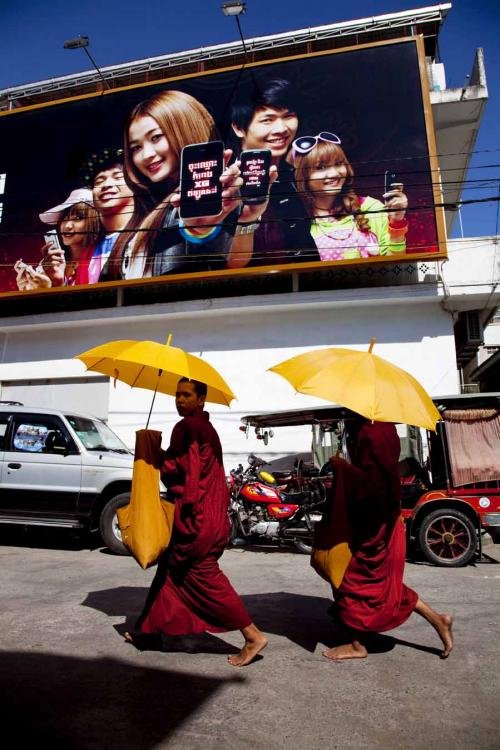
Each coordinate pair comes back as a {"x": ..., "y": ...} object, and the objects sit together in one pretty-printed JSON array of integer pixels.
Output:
[
  {"x": 128, "y": 637},
  {"x": 443, "y": 627},
  {"x": 354, "y": 650},
  {"x": 248, "y": 652}
]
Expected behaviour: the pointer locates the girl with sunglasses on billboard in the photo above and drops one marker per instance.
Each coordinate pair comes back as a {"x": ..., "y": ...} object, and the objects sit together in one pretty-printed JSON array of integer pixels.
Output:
[
  {"x": 67, "y": 254},
  {"x": 160, "y": 243},
  {"x": 345, "y": 225}
]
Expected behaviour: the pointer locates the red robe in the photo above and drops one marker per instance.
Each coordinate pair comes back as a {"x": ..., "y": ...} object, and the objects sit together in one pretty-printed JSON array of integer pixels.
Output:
[
  {"x": 365, "y": 512},
  {"x": 190, "y": 593}
]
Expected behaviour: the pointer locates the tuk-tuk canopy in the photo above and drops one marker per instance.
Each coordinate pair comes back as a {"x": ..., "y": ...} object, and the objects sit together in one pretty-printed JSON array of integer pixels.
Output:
[{"x": 469, "y": 430}]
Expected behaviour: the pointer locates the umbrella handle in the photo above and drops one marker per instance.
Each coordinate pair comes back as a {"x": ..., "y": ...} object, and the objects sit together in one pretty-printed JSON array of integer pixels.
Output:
[{"x": 154, "y": 396}]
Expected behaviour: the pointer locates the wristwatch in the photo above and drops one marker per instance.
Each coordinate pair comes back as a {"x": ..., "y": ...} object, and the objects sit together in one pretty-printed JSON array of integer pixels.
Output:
[{"x": 247, "y": 228}]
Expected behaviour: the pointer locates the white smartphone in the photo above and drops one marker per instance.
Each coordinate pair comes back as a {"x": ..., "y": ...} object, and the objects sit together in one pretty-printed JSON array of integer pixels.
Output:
[{"x": 52, "y": 238}]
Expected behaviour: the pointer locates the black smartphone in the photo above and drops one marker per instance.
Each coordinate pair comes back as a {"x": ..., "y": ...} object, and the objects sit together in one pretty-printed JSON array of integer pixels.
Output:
[
  {"x": 390, "y": 179},
  {"x": 254, "y": 168},
  {"x": 201, "y": 191}
]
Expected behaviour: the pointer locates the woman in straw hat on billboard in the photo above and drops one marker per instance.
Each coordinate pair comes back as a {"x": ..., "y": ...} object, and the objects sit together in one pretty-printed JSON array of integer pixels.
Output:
[{"x": 66, "y": 255}]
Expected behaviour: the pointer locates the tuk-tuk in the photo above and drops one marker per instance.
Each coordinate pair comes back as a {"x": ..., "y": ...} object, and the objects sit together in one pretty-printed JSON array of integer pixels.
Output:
[{"x": 450, "y": 479}]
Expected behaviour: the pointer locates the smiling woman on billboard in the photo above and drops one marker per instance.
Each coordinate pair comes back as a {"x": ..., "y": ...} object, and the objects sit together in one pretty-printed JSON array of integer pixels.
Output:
[{"x": 155, "y": 134}]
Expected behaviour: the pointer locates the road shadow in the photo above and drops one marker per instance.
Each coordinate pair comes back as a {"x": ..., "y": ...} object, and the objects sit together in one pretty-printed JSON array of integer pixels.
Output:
[
  {"x": 199, "y": 643},
  {"x": 309, "y": 622},
  {"x": 303, "y": 619},
  {"x": 300, "y": 618},
  {"x": 128, "y": 601},
  {"x": 69, "y": 703},
  {"x": 121, "y": 601}
]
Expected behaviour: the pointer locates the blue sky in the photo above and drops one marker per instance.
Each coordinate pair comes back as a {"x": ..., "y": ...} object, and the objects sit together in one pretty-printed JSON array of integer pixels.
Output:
[{"x": 33, "y": 33}]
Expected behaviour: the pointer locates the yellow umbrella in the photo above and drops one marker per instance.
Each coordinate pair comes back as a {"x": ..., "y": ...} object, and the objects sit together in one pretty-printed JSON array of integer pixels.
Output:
[
  {"x": 156, "y": 367},
  {"x": 363, "y": 382}
]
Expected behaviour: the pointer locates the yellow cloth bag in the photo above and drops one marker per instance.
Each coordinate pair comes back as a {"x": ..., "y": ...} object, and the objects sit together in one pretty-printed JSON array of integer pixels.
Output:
[
  {"x": 146, "y": 523},
  {"x": 331, "y": 563},
  {"x": 332, "y": 545}
]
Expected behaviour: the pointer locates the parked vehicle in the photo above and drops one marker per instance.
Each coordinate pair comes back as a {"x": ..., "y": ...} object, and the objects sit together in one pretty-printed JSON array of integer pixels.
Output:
[
  {"x": 450, "y": 479},
  {"x": 280, "y": 506},
  {"x": 62, "y": 469}
]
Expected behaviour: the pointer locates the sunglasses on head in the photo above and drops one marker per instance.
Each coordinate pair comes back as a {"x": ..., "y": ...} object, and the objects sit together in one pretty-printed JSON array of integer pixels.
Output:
[{"x": 306, "y": 143}]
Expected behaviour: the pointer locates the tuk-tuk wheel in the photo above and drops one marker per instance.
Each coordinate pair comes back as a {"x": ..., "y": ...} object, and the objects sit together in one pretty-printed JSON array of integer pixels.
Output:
[{"x": 448, "y": 538}]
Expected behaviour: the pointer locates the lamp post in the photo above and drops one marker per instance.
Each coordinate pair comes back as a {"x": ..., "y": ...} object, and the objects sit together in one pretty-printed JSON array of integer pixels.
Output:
[
  {"x": 235, "y": 8},
  {"x": 82, "y": 42}
]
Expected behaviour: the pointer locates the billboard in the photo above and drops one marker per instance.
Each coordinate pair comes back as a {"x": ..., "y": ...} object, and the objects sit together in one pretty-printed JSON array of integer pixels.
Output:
[{"x": 90, "y": 185}]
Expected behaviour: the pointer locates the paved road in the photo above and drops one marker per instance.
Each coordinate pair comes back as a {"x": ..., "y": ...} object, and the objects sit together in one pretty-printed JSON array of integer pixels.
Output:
[{"x": 69, "y": 681}]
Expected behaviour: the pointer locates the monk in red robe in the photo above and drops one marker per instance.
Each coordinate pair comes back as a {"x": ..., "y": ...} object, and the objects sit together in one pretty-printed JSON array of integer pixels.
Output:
[
  {"x": 366, "y": 532},
  {"x": 190, "y": 594}
]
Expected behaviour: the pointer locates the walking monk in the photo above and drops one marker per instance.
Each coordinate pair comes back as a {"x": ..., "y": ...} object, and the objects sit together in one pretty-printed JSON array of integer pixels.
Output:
[
  {"x": 360, "y": 545},
  {"x": 190, "y": 594}
]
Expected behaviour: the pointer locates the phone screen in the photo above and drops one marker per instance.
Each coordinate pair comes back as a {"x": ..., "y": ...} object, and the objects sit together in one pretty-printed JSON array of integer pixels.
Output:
[
  {"x": 201, "y": 190},
  {"x": 254, "y": 168}
]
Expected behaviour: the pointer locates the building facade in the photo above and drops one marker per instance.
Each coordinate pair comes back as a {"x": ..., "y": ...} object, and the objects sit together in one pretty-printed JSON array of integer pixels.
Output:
[{"x": 427, "y": 315}]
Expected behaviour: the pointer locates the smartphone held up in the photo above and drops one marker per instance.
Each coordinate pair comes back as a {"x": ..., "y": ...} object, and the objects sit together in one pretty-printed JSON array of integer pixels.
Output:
[
  {"x": 52, "y": 238},
  {"x": 202, "y": 165},
  {"x": 392, "y": 181},
  {"x": 254, "y": 169}
]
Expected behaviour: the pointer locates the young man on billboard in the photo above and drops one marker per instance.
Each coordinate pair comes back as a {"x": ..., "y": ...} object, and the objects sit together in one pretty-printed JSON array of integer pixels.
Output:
[
  {"x": 268, "y": 119},
  {"x": 114, "y": 201}
]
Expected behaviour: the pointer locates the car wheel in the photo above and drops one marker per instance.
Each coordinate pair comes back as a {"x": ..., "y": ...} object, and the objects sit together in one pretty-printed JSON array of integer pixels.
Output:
[
  {"x": 448, "y": 537},
  {"x": 108, "y": 524}
]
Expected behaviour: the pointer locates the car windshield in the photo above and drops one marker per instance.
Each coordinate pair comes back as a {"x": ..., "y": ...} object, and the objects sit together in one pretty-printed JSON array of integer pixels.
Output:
[{"x": 96, "y": 435}]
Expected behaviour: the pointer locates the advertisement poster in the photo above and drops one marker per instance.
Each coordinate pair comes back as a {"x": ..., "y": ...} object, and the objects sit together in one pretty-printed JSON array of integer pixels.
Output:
[{"x": 91, "y": 187}]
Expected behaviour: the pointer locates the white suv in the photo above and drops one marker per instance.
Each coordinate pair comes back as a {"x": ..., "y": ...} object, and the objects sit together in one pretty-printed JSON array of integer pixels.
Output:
[{"x": 58, "y": 468}]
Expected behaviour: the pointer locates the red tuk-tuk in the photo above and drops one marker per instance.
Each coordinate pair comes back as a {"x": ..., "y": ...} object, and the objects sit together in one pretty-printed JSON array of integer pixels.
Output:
[{"x": 450, "y": 479}]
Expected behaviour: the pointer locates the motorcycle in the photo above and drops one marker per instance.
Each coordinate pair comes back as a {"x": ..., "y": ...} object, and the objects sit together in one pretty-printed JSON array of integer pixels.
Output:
[{"x": 281, "y": 507}]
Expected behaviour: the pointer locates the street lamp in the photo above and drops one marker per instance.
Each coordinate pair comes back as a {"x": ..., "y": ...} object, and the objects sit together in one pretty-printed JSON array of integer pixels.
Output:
[
  {"x": 236, "y": 8},
  {"x": 233, "y": 8},
  {"x": 82, "y": 42}
]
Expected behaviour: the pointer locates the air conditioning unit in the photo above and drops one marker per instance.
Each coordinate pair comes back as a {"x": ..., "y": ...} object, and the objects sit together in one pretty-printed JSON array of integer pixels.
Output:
[
  {"x": 473, "y": 328},
  {"x": 468, "y": 336}
]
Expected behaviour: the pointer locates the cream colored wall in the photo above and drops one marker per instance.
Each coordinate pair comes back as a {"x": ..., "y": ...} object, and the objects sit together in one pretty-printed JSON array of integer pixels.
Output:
[{"x": 242, "y": 337}]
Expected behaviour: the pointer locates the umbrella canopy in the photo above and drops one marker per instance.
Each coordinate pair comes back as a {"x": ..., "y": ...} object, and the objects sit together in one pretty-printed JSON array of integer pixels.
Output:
[
  {"x": 156, "y": 367},
  {"x": 363, "y": 382}
]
